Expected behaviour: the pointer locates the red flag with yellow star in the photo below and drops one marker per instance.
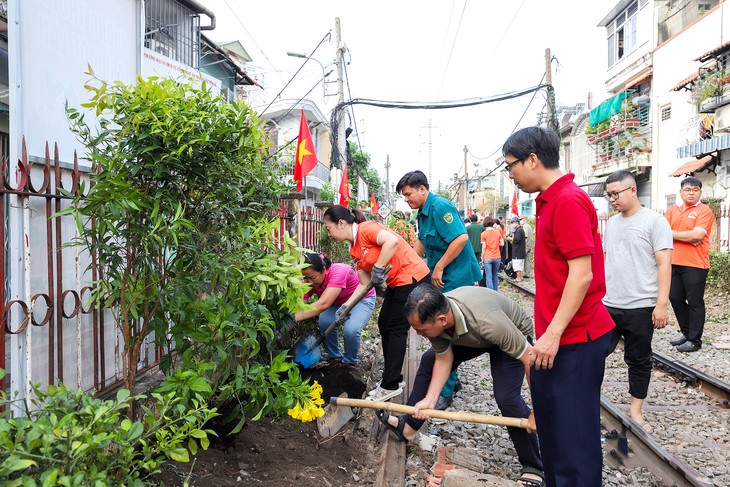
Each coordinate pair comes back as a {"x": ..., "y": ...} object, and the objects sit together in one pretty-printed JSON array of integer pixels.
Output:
[
  {"x": 305, "y": 158},
  {"x": 374, "y": 204},
  {"x": 344, "y": 188}
]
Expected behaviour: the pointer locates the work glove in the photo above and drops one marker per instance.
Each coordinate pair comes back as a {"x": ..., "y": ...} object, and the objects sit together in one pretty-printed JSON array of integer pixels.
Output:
[
  {"x": 341, "y": 312},
  {"x": 378, "y": 275}
]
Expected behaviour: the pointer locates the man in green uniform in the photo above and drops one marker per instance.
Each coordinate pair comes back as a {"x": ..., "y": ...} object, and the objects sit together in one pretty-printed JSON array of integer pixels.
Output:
[{"x": 443, "y": 238}]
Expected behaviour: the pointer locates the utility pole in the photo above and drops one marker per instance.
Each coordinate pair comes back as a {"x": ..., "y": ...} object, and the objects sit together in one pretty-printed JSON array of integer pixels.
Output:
[
  {"x": 550, "y": 91},
  {"x": 387, "y": 180},
  {"x": 465, "y": 190},
  {"x": 340, "y": 95}
]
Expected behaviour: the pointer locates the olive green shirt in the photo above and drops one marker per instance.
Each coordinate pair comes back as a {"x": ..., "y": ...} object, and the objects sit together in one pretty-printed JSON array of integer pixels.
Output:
[{"x": 483, "y": 319}]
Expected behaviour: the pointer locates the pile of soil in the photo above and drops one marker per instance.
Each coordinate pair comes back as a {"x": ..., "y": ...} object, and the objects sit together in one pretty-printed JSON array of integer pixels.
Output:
[{"x": 284, "y": 452}]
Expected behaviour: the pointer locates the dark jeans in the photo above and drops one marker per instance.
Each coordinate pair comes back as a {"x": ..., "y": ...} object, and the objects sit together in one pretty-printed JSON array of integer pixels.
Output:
[
  {"x": 507, "y": 375},
  {"x": 393, "y": 328},
  {"x": 567, "y": 402},
  {"x": 637, "y": 329},
  {"x": 687, "y": 295}
]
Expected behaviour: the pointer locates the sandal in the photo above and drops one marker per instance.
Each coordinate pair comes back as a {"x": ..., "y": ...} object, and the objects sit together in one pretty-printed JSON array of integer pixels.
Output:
[
  {"x": 383, "y": 416},
  {"x": 530, "y": 482}
]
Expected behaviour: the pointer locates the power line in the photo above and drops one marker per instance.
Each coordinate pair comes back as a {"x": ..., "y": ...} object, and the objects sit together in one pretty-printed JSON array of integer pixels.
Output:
[
  {"x": 451, "y": 52},
  {"x": 327, "y": 36}
]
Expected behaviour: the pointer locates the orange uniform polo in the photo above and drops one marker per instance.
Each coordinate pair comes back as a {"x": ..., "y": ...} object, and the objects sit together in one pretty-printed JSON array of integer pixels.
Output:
[
  {"x": 491, "y": 238},
  {"x": 407, "y": 265},
  {"x": 684, "y": 218}
]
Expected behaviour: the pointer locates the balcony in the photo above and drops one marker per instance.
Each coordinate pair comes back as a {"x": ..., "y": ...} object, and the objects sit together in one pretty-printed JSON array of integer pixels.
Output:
[
  {"x": 623, "y": 141},
  {"x": 711, "y": 90}
]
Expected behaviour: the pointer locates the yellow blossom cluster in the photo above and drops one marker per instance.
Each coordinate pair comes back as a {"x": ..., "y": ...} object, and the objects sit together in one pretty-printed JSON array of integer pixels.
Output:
[{"x": 312, "y": 407}]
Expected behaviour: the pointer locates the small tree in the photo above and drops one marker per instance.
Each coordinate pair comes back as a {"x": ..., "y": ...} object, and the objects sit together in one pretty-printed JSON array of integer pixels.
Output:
[{"x": 176, "y": 173}]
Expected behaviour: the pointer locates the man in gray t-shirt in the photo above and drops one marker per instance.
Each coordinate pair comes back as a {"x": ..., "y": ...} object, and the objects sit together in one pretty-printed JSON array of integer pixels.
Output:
[
  {"x": 461, "y": 325},
  {"x": 638, "y": 248}
]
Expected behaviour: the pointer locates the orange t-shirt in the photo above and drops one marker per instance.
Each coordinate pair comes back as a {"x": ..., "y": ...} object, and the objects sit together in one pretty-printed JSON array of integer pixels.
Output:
[
  {"x": 407, "y": 265},
  {"x": 490, "y": 243},
  {"x": 683, "y": 218}
]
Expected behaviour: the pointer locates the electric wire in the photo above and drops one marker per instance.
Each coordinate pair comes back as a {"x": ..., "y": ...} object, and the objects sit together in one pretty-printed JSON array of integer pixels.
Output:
[
  {"x": 451, "y": 52},
  {"x": 327, "y": 36},
  {"x": 504, "y": 34}
]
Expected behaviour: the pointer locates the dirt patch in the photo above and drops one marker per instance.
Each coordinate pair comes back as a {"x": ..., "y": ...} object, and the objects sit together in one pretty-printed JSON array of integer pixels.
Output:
[{"x": 284, "y": 452}]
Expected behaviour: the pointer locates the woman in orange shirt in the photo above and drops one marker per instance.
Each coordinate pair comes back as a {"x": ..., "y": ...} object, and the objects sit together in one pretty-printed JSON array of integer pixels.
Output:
[
  {"x": 491, "y": 241},
  {"x": 372, "y": 247}
]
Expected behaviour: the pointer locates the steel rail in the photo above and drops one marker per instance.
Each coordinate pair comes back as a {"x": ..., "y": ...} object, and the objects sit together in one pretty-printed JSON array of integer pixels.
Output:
[{"x": 709, "y": 385}]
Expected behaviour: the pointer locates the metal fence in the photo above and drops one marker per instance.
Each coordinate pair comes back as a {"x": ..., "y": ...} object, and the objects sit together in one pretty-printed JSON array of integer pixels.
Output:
[
  {"x": 719, "y": 237},
  {"x": 50, "y": 332},
  {"x": 301, "y": 224}
]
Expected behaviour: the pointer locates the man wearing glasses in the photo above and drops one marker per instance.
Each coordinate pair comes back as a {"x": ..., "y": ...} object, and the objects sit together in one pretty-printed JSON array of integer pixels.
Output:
[
  {"x": 691, "y": 224},
  {"x": 571, "y": 323},
  {"x": 638, "y": 249}
]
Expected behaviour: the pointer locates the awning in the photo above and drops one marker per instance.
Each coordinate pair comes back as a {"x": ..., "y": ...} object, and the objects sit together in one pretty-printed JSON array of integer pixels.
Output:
[
  {"x": 594, "y": 187},
  {"x": 607, "y": 108},
  {"x": 692, "y": 166},
  {"x": 720, "y": 142},
  {"x": 640, "y": 76},
  {"x": 686, "y": 81},
  {"x": 710, "y": 54}
]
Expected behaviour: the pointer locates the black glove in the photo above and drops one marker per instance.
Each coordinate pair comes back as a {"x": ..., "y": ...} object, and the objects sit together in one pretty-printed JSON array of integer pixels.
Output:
[
  {"x": 341, "y": 312},
  {"x": 378, "y": 275}
]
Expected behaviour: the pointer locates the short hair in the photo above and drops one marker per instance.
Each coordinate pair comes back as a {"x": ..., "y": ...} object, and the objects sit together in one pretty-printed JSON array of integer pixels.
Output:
[
  {"x": 473, "y": 217},
  {"x": 542, "y": 142},
  {"x": 488, "y": 221},
  {"x": 691, "y": 181},
  {"x": 621, "y": 175},
  {"x": 414, "y": 179},
  {"x": 336, "y": 213},
  {"x": 316, "y": 261},
  {"x": 427, "y": 302}
]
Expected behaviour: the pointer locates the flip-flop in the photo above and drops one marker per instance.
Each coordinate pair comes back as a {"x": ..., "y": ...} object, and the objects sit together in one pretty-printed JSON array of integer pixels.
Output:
[
  {"x": 383, "y": 416},
  {"x": 530, "y": 482},
  {"x": 646, "y": 426}
]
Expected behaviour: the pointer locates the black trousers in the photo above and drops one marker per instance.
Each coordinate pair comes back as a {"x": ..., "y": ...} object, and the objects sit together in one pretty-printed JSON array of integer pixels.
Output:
[
  {"x": 393, "y": 328},
  {"x": 507, "y": 375},
  {"x": 637, "y": 330},
  {"x": 687, "y": 295}
]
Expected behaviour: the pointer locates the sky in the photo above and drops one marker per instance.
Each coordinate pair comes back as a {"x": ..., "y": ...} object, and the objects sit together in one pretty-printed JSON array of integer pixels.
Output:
[{"x": 426, "y": 51}]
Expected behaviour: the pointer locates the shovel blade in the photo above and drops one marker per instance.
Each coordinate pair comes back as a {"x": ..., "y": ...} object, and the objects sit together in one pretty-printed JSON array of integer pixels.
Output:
[
  {"x": 306, "y": 352},
  {"x": 334, "y": 418}
]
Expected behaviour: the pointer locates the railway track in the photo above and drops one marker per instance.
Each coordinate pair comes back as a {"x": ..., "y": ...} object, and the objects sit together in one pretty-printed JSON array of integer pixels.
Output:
[{"x": 627, "y": 445}]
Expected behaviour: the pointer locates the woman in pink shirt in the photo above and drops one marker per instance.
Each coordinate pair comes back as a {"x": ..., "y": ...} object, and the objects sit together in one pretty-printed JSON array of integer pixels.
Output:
[{"x": 334, "y": 284}]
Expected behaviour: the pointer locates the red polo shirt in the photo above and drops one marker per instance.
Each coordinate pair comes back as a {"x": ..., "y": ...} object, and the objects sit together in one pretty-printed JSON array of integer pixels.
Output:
[{"x": 567, "y": 228}]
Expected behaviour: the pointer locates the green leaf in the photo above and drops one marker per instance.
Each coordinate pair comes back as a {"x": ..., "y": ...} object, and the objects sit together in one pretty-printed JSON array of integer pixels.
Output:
[{"x": 179, "y": 455}]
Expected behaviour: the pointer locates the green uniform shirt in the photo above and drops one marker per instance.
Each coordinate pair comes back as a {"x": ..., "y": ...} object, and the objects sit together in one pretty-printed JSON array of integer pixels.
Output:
[
  {"x": 484, "y": 319},
  {"x": 438, "y": 225},
  {"x": 474, "y": 230}
]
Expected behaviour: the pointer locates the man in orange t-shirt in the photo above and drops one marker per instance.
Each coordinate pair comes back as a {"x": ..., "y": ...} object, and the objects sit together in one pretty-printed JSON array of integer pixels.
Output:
[{"x": 691, "y": 224}]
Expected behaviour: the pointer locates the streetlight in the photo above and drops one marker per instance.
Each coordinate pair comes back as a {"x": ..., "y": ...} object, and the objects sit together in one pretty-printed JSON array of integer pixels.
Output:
[{"x": 324, "y": 75}]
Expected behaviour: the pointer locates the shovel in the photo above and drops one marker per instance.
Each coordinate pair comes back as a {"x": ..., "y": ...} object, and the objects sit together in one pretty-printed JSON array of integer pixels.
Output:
[
  {"x": 332, "y": 419},
  {"x": 306, "y": 352}
]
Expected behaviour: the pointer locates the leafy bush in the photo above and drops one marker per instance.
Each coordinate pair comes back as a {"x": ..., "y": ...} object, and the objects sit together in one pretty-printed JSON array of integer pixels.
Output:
[
  {"x": 719, "y": 275},
  {"x": 336, "y": 252},
  {"x": 74, "y": 439}
]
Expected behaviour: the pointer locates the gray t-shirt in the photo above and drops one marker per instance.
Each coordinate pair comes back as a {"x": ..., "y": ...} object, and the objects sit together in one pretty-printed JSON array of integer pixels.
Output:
[
  {"x": 631, "y": 268},
  {"x": 484, "y": 319}
]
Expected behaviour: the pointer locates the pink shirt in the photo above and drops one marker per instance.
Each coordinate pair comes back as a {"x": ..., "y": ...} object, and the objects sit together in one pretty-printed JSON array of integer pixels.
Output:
[{"x": 341, "y": 276}]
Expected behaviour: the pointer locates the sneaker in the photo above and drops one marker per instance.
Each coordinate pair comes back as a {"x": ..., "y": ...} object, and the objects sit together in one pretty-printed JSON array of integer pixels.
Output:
[
  {"x": 678, "y": 341},
  {"x": 443, "y": 403},
  {"x": 687, "y": 347},
  {"x": 401, "y": 385},
  {"x": 380, "y": 394}
]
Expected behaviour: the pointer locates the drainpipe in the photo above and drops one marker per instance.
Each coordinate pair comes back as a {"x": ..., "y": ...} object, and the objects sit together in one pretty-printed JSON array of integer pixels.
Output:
[{"x": 200, "y": 9}]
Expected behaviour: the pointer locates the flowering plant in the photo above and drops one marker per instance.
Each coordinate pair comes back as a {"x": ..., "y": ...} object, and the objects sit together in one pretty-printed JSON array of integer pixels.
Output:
[{"x": 311, "y": 406}]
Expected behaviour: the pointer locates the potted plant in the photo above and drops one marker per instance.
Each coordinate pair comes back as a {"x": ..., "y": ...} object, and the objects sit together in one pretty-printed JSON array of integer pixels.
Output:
[{"x": 326, "y": 196}]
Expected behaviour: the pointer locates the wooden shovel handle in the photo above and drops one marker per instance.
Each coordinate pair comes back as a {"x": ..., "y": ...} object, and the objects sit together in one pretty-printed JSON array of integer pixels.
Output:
[{"x": 432, "y": 413}]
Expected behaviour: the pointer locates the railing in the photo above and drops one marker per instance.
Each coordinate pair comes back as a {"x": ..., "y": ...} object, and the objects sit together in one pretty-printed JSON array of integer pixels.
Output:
[
  {"x": 50, "y": 333},
  {"x": 623, "y": 142},
  {"x": 303, "y": 226},
  {"x": 719, "y": 237}
]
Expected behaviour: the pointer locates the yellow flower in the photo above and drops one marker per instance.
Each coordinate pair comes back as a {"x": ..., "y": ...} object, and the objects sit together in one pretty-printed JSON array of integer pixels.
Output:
[{"x": 312, "y": 407}]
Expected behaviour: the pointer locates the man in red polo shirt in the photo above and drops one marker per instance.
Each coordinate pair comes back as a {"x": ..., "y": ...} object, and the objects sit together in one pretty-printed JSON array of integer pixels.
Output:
[{"x": 571, "y": 323}]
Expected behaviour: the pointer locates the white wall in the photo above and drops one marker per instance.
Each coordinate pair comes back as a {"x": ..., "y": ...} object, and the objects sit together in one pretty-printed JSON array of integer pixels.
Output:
[
  {"x": 51, "y": 43},
  {"x": 673, "y": 62}
]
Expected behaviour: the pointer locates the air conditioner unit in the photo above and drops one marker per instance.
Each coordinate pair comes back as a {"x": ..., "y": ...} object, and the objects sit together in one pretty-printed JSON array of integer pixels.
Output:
[{"x": 722, "y": 119}]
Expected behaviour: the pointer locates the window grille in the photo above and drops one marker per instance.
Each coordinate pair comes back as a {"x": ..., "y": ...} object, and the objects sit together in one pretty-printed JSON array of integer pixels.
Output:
[
  {"x": 666, "y": 113},
  {"x": 173, "y": 30}
]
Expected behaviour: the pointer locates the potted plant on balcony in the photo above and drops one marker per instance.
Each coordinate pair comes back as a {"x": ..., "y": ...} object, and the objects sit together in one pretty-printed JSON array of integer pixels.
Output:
[
  {"x": 326, "y": 196},
  {"x": 708, "y": 87}
]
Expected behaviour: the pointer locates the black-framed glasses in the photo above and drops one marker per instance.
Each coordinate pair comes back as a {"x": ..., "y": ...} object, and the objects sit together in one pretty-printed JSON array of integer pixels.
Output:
[
  {"x": 311, "y": 279},
  {"x": 509, "y": 166},
  {"x": 691, "y": 190},
  {"x": 613, "y": 195}
]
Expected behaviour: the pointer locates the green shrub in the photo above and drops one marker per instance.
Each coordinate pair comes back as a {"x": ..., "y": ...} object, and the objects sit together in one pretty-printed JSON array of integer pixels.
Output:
[
  {"x": 74, "y": 439},
  {"x": 336, "y": 252},
  {"x": 719, "y": 275}
]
